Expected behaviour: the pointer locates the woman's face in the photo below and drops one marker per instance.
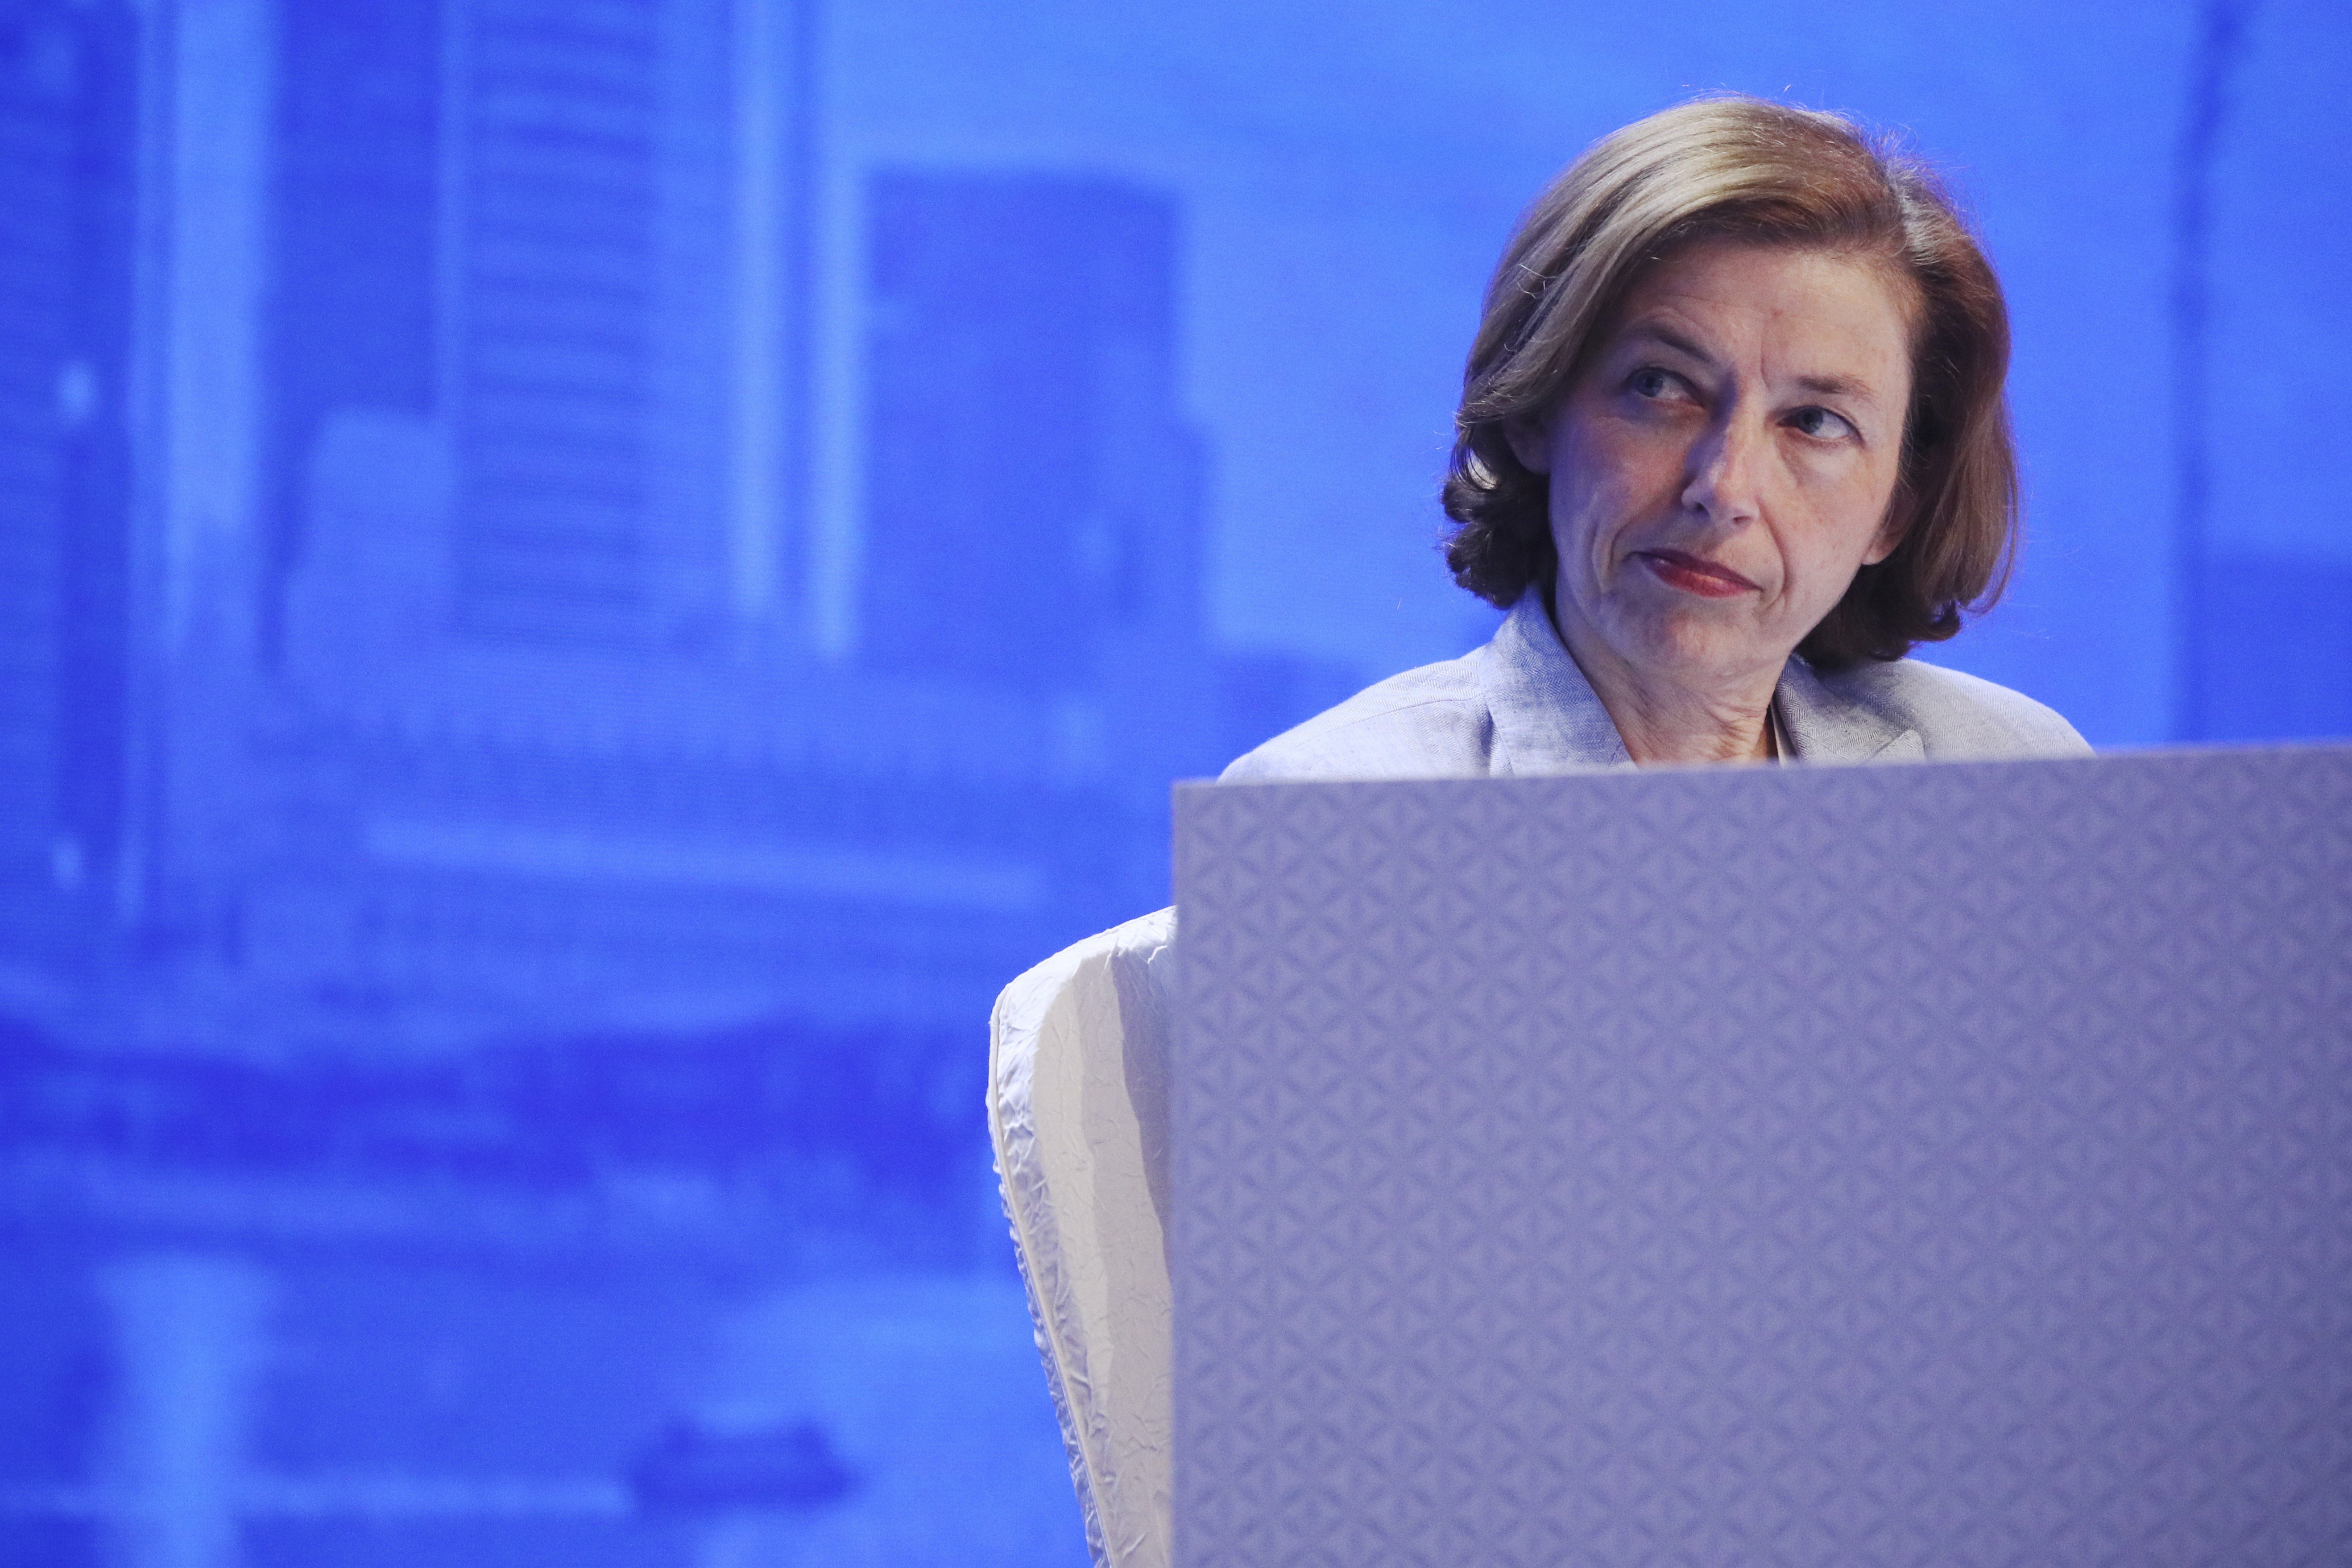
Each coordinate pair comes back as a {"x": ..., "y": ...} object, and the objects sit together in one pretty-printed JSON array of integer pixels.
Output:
[{"x": 1724, "y": 463}]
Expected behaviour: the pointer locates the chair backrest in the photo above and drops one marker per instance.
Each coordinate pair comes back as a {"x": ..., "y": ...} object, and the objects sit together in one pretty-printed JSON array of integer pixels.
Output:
[{"x": 1077, "y": 1109}]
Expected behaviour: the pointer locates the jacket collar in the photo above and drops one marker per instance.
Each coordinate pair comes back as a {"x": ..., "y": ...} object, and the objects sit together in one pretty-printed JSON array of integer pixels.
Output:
[
  {"x": 1824, "y": 727},
  {"x": 1549, "y": 719}
]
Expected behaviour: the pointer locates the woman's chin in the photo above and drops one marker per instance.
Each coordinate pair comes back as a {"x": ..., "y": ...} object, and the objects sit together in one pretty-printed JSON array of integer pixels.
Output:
[{"x": 1698, "y": 648}]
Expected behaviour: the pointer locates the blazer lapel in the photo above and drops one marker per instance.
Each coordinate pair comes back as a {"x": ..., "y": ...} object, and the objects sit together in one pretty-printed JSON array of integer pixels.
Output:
[
  {"x": 1547, "y": 717},
  {"x": 1823, "y": 727}
]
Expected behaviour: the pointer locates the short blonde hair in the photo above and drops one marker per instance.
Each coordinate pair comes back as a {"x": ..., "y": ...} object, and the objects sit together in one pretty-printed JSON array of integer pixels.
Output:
[{"x": 1744, "y": 169}]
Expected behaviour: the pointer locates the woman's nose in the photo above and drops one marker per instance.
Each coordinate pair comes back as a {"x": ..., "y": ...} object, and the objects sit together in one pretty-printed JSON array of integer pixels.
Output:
[{"x": 1725, "y": 470}]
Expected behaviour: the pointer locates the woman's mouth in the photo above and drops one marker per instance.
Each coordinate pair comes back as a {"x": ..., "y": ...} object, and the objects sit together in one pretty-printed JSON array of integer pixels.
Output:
[{"x": 1693, "y": 576}]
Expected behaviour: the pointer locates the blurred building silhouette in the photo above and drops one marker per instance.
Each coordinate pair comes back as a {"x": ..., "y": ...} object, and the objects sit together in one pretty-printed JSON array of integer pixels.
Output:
[
  {"x": 354, "y": 222},
  {"x": 485, "y": 755},
  {"x": 67, "y": 188},
  {"x": 449, "y": 542},
  {"x": 428, "y": 831},
  {"x": 1033, "y": 494},
  {"x": 556, "y": 157},
  {"x": 436, "y": 853}
]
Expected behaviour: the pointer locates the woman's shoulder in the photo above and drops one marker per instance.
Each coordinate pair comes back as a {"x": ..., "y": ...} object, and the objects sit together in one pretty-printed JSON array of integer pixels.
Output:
[
  {"x": 1955, "y": 714},
  {"x": 1430, "y": 722}
]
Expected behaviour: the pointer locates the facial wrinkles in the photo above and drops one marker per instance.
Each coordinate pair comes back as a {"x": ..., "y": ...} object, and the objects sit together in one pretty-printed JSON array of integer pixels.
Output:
[
  {"x": 1710, "y": 465},
  {"x": 1747, "y": 480},
  {"x": 1714, "y": 469}
]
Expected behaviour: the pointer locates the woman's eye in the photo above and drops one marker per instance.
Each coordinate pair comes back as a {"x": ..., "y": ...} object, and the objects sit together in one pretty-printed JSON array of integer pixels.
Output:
[
  {"x": 1820, "y": 423},
  {"x": 1652, "y": 382}
]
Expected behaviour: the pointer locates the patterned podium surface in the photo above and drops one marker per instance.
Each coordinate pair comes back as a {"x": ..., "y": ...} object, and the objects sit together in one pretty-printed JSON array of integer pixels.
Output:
[{"x": 1910, "y": 1165}]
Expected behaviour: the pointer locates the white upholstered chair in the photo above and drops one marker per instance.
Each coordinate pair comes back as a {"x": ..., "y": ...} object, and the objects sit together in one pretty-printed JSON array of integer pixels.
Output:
[{"x": 1077, "y": 1109}]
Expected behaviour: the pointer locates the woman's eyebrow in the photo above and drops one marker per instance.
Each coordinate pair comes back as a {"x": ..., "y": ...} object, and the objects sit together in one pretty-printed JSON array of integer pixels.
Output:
[
  {"x": 1830, "y": 385},
  {"x": 1838, "y": 386},
  {"x": 1658, "y": 333}
]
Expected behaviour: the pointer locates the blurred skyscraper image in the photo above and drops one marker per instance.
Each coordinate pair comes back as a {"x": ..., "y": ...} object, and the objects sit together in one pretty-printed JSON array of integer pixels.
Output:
[
  {"x": 509, "y": 960},
  {"x": 67, "y": 112},
  {"x": 582, "y": 583}
]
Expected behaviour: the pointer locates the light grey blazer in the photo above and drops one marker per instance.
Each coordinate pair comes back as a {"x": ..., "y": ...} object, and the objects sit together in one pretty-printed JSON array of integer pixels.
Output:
[{"x": 1520, "y": 706}]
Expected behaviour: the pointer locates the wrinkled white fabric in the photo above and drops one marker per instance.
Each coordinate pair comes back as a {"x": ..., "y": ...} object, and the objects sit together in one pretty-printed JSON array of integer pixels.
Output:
[{"x": 1078, "y": 1115}]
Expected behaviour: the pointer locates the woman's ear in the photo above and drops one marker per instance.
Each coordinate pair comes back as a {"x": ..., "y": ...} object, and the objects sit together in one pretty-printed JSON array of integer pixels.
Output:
[
  {"x": 1529, "y": 436},
  {"x": 1891, "y": 532}
]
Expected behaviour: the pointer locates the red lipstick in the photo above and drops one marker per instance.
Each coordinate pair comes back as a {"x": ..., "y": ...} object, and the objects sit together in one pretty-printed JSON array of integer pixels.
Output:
[{"x": 1693, "y": 576}]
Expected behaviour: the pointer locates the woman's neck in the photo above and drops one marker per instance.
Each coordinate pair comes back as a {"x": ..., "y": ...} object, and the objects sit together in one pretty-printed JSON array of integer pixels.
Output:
[
  {"x": 1675, "y": 725},
  {"x": 1665, "y": 721}
]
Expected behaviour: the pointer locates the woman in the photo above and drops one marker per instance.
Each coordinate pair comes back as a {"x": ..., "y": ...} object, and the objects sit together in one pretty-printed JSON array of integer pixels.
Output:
[
  {"x": 1731, "y": 442},
  {"x": 1736, "y": 396}
]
